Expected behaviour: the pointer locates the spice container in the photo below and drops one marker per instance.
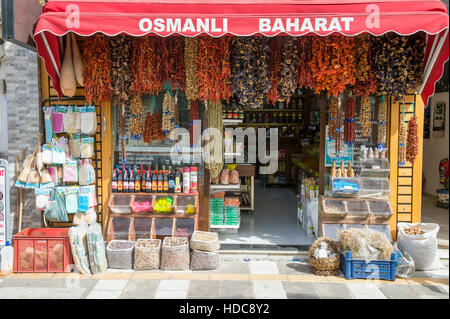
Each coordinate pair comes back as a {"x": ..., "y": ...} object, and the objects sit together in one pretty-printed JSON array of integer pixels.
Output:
[
  {"x": 120, "y": 204},
  {"x": 142, "y": 227},
  {"x": 175, "y": 253},
  {"x": 142, "y": 204},
  {"x": 376, "y": 167},
  {"x": 147, "y": 254},
  {"x": 185, "y": 205},
  {"x": 184, "y": 227},
  {"x": 120, "y": 254},
  {"x": 120, "y": 227},
  {"x": 345, "y": 186},
  {"x": 205, "y": 260},
  {"x": 380, "y": 210},
  {"x": 357, "y": 209},
  {"x": 334, "y": 208},
  {"x": 163, "y": 204},
  {"x": 205, "y": 241},
  {"x": 375, "y": 187}
]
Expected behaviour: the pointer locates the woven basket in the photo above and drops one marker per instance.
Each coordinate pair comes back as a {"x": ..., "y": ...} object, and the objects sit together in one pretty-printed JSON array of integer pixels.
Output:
[
  {"x": 324, "y": 264},
  {"x": 316, "y": 272}
]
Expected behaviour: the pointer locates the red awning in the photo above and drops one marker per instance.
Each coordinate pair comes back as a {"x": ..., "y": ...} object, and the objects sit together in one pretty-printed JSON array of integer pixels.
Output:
[{"x": 243, "y": 18}]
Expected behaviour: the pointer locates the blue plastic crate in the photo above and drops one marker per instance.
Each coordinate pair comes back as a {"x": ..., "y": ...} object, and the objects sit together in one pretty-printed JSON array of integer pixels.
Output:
[{"x": 375, "y": 269}]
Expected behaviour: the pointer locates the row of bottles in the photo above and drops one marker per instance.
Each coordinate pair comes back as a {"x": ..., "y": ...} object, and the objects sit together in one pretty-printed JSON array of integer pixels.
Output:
[
  {"x": 273, "y": 117},
  {"x": 166, "y": 180}
]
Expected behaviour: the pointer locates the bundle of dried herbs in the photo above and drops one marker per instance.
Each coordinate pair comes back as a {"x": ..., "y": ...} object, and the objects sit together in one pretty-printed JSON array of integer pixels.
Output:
[
  {"x": 146, "y": 63},
  {"x": 398, "y": 62},
  {"x": 214, "y": 68},
  {"x": 276, "y": 45},
  {"x": 190, "y": 66},
  {"x": 332, "y": 63},
  {"x": 412, "y": 146},
  {"x": 249, "y": 70},
  {"x": 97, "y": 69},
  {"x": 289, "y": 69},
  {"x": 305, "y": 77}
]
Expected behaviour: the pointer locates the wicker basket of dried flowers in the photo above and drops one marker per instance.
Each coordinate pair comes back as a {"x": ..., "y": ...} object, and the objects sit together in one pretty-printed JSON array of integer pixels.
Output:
[{"x": 326, "y": 266}]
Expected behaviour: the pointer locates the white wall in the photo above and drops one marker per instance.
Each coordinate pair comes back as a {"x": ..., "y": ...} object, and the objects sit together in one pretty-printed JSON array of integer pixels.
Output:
[{"x": 435, "y": 148}]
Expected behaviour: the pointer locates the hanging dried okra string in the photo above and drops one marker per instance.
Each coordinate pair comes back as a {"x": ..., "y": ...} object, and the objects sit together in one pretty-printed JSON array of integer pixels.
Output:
[
  {"x": 190, "y": 67},
  {"x": 349, "y": 125},
  {"x": 402, "y": 139},
  {"x": 214, "y": 163},
  {"x": 382, "y": 123},
  {"x": 365, "y": 117},
  {"x": 412, "y": 145},
  {"x": 137, "y": 118}
]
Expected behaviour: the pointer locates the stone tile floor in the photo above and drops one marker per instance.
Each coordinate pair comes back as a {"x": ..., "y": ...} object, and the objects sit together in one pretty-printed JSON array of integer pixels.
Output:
[{"x": 235, "y": 279}]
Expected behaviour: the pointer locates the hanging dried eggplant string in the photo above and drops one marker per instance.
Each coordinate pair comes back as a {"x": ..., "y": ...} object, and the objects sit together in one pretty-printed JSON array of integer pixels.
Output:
[
  {"x": 97, "y": 69},
  {"x": 145, "y": 66},
  {"x": 214, "y": 68},
  {"x": 190, "y": 66},
  {"x": 215, "y": 161},
  {"x": 382, "y": 123},
  {"x": 137, "y": 118},
  {"x": 276, "y": 45},
  {"x": 402, "y": 139},
  {"x": 365, "y": 117},
  {"x": 412, "y": 146},
  {"x": 366, "y": 82},
  {"x": 168, "y": 113},
  {"x": 121, "y": 77},
  {"x": 193, "y": 115},
  {"x": 332, "y": 63},
  {"x": 349, "y": 125},
  {"x": 250, "y": 62},
  {"x": 398, "y": 62},
  {"x": 305, "y": 77},
  {"x": 289, "y": 69}
]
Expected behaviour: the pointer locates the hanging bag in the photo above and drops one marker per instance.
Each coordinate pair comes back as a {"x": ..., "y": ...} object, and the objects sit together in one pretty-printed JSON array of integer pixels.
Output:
[
  {"x": 77, "y": 61},
  {"x": 72, "y": 121},
  {"x": 89, "y": 120},
  {"x": 56, "y": 211},
  {"x": 68, "y": 82}
]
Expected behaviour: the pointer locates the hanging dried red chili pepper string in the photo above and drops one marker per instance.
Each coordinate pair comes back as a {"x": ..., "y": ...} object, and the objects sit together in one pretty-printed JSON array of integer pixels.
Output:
[{"x": 349, "y": 125}]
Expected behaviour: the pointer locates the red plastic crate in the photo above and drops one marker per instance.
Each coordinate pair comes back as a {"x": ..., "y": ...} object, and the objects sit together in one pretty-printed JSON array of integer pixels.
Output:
[{"x": 42, "y": 250}]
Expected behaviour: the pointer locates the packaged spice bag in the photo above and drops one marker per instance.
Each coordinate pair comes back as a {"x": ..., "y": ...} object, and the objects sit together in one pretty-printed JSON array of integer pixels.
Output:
[
  {"x": 205, "y": 260},
  {"x": 147, "y": 254},
  {"x": 120, "y": 254},
  {"x": 175, "y": 253}
]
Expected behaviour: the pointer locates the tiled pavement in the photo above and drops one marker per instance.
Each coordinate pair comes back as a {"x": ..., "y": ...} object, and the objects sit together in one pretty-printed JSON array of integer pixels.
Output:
[{"x": 233, "y": 280}]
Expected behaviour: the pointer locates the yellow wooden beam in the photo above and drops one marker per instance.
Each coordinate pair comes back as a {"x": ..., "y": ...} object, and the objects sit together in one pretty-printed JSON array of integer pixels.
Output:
[
  {"x": 393, "y": 160},
  {"x": 417, "y": 167}
]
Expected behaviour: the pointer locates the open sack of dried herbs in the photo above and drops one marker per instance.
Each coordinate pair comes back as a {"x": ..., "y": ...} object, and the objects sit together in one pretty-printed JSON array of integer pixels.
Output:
[{"x": 365, "y": 244}]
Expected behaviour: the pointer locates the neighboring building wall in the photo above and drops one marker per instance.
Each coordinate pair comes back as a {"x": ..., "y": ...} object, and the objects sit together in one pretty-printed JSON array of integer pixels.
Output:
[
  {"x": 435, "y": 148},
  {"x": 19, "y": 69}
]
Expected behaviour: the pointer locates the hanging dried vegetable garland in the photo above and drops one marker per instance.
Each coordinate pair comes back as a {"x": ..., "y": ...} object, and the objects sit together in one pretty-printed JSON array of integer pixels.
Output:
[
  {"x": 289, "y": 69},
  {"x": 137, "y": 118},
  {"x": 214, "y": 68},
  {"x": 382, "y": 123},
  {"x": 171, "y": 50},
  {"x": 276, "y": 45},
  {"x": 168, "y": 113},
  {"x": 333, "y": 114},
  {"x": 249, "y": 66},
  {"x": 398, "y": 62},
  {"x": 214, "y": 118},
  {"x": 402, "y": 140},
  {"x": 97, "y": 69},
  {"x": 305, "y": 77},
  {"x": 121, "y": 123},
  {"x": 332, "y": 63},
  {"x": 145, "y": 66},
  {"x": 412, "y": 145},
  {"x": 365, "y": 117},
  {"x": 193, "y": 115},
  {"x": 120, "y": 70},
  {"x": 349, "y": 125},
  {"x": 190, "y": 66},
  {"x": 152, "y": 130},
  {"x": 366, "y": 81}
]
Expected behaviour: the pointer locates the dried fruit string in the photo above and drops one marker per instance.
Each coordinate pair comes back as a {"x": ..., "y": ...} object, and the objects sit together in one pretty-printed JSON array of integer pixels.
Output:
[
  {"x": 382, "y": 123},
  {"x": 402, "y": 140},
  {"x": 349, "y": 125},
  {"x": 168, "y": 113},
  {"x": 365, "y": 117},
  {"x": 97, "y": 69},
  {"x": 190, "y": 66},
  {"x": 137, "y": 118},
  {"x": 412, "y": 146}
]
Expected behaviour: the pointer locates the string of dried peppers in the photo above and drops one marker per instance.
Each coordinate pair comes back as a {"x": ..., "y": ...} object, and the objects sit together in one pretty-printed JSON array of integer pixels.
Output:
[
  {"x": 97, "y": 69},
  {"x": 349, "y": 125},
  {"x": 152, "y": 130},
  {"x": 172, "y": 53},
  {"x": 249, "y": 70},
  {"x": 190, "y": 65},
  {"x": 332, "y": 63},
  {"x": 276, "y": 45},
  {"x": 214, "y": 68},
  {"x": 305, "y": 77},
  {"x": 145, "y": 66},
  {"x": 333, "y": 114}
]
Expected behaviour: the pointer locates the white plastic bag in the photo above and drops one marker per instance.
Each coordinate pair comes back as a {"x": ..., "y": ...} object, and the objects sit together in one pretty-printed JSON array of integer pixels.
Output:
[
  {"x": 404, "y": 266},
  {"x": 422, "y": 248}
]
